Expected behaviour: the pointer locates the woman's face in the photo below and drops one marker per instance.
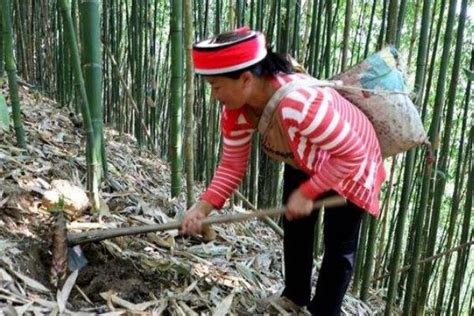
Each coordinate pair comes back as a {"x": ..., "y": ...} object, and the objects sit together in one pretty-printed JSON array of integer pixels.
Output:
[{"x": 233, "y": 93}]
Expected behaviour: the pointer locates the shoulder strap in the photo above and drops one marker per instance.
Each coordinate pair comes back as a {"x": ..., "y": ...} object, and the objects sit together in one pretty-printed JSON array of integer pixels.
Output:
[{"x": 282, "y": 92}]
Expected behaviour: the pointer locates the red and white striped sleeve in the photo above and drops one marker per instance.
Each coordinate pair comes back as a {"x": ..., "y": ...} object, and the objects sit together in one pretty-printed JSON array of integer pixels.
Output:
[
  {"x": 313, "y": 124},
  {"x": 237, "y": 135}
]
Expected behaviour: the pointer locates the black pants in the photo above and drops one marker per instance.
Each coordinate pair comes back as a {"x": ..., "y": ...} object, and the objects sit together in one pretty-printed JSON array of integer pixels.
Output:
[{"x": 341, "y": 231}]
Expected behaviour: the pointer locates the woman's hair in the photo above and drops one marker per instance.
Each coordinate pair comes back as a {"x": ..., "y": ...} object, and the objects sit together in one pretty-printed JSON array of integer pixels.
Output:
[{"x": 272, "y": 64}]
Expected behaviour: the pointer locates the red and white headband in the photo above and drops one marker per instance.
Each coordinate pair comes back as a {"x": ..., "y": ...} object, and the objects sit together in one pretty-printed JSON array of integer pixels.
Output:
[{"x": 212, "y": 58}]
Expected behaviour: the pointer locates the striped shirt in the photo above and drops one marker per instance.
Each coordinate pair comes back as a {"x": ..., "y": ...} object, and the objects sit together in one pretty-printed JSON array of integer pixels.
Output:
[{"x": 331, "y": 140}]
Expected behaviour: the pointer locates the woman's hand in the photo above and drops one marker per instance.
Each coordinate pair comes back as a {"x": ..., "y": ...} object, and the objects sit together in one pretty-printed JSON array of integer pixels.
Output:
[
  {"x": 192, "y": 220},
  {"x": 298, "y": 206}
]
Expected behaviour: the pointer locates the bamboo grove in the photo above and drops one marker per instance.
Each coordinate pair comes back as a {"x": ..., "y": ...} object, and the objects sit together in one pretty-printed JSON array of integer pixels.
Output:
[{"x": 126, "y": 64}]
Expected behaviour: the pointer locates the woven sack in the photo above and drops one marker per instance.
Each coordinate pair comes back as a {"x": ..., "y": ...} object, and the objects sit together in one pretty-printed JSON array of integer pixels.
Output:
[{"x": 377, "y": 87}]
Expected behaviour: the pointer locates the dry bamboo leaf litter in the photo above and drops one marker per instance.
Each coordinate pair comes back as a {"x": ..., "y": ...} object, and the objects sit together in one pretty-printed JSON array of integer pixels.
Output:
[{"x": 152, "y": 273}]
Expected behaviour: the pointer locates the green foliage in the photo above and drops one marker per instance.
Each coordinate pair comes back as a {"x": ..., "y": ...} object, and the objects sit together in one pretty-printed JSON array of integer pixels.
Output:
[
  {"x": 4, "y": 114},
  {"x": 469, "y": 74},
  {"x": 138, "y": 98}
]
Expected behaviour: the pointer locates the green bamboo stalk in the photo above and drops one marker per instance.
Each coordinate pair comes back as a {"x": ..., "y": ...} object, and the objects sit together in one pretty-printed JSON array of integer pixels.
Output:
[
  {"x": 285, "y": 30},
  {"x": 239, "y": 15},
  {"x": 210, "y": 146},
  {"x": 413, "y": 36},
  {"x": 400, "y": 231},
  {"x": 296, "y": 30},
  {"x": 304, "y": 45},
  {"x": 426, "y": 184},
  {"x": 21, "y": 51},
  {"x": 383, "y": 27},
  {"x": 409, "y": 164},
  {"x": 176, "y": 90},
  {"x": 347, "y": 31},
  {"x": 312, "y": 39},
  {"x": 137, "y": 57},
  {"x": 468, "y": 161},
  {"x": 462, "y": 259},
  {"x": 318, "y": 44},
  {"x": 60, "y": 63},
  {"x": 106, "y": 81},
  {"x": 218, "y": 14},
  {"x": 271, "y": 22},
  {"x": 213, "y": 134},
  {"x": 252, "y": 14},
  {"x": 384, "y": 219},
  {"x": 10, "y": 68},
  {"x": 259, "y": 15},
  {"x": 203, "y": 134},
  {"x": 374, "y": 225},
  {"x": 147, "y": 64},
  {"x": 431, "y": 225},
  {"x": 369, "y": 259},
  {"x": 327, "y": 47},
  {"x": 357, "y": 41},
  {"x": 435, "y": 53},
  {"x": 35, "y": 44},
  {"x": 392, "y": 22},
  {"x": 445, "y": 150},
  {"x": 231, "y": 14},
  {"x": 92, "y": 70},
  {"x": 435, "y": 257},
  {"x": 359, "y": 265},
  {"x": 455, "y": 202},
  {"x": 401, "y": 21},
  {"x": 189, "y": 101},
  {"x": 2, "y": 67},
  {"x": 369, "y": 32},
  {"x": 469, "y": 289},
  {"x": 92, "y": 163},
  {"x": 254, "y": 170}
]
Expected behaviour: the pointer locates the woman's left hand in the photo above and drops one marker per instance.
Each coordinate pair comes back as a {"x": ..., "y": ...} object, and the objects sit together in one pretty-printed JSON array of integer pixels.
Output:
[{"x": 298, "y": 206}]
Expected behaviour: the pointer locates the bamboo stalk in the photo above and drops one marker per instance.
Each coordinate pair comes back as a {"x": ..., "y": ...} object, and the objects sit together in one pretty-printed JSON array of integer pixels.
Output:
[
  {"x": 413, "y": 304},
  {"x": 10, "y": 68},
  {"x": 425, "y": 260},
  {"x": 189, "y": 103},
  {"x": 98, "y": 235},
  {"x": 92, "y": 72},
  {"x": 65, "y": 9},
  {"x": 277, "y": 229},
  {"x": 176, "y": 97},
  {"x": 2, "y": 67},
  {"x": 444, "y": 154},
  {"x": 127, "y": 90}
]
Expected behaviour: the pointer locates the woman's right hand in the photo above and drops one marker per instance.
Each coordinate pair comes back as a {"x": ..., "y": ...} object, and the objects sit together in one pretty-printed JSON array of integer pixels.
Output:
[{"x": 192, "y": 220}]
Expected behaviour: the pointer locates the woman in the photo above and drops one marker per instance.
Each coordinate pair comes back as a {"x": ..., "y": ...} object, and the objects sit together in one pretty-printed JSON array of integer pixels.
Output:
[{"x": 329, "y": 148}]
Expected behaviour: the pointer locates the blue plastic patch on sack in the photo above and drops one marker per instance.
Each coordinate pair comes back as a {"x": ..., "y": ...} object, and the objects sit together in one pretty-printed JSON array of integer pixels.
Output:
[
  {"x": 385, "y": 101},
  {"x": 380, "y": 74}
]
